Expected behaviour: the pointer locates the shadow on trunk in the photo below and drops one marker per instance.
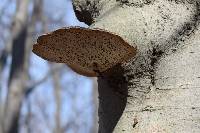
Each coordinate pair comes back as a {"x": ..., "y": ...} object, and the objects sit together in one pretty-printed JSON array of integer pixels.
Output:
[{"x": 112, "y": 86}]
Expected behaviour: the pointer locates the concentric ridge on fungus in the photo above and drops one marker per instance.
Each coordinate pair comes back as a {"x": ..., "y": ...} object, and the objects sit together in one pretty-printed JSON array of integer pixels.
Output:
[{"x": 87, "y": 51}]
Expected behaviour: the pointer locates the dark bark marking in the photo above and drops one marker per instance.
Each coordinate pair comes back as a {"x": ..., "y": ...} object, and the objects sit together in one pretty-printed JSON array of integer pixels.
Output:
[
  {"x": 135, "y": 122},
  {"x": 136, "y": 4},
  {"x": 86, "y": 13}
]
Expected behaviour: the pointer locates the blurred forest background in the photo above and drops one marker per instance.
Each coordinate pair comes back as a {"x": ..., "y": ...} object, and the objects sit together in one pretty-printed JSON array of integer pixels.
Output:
[{"x": 37, "y": 96}]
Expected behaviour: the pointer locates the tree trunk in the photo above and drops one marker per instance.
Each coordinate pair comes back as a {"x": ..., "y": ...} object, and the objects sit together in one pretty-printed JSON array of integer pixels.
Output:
[
  {"x": 95, "y": 102},
  {"x": 158, "y": 90},
  {"x": 21, "y": 48},
  {"x": 57, "y": 94},
  {"x": 16, "y": 78}
]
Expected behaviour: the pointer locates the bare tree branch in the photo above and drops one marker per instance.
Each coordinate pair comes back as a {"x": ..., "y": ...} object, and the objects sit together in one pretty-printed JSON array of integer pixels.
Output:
[
  {"x": 41, "y": 106},
  {"x": 57, "y": 94},
  {"x": 32, "y": 84}
]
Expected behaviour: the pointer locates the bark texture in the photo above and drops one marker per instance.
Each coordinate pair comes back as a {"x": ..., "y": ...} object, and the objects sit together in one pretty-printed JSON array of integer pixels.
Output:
[{"x": 158, "y": 90}]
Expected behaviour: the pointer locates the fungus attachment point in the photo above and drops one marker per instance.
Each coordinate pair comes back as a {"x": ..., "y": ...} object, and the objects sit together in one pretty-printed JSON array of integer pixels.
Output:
[{"x": 88, "y": 52}]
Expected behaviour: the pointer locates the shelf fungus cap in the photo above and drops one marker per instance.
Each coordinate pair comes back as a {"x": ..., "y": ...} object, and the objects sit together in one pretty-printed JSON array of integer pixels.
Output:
[{"x": 88, "y": 52}]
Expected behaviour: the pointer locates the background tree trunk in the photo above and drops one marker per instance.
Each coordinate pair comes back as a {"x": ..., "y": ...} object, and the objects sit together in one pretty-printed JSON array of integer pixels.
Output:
[
  {"x": 22, "y": 103},
  {"x": 21, "y": 49},
  {"x": 95, "y": 106},
  {"x": 57, "y": 93},
  {"x": 158, "y": 90},
  {"x": 17, "y": 73}
]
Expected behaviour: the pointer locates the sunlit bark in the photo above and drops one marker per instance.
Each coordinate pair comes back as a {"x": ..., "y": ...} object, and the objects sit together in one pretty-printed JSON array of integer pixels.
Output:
[{"x": 158, "y": 90}]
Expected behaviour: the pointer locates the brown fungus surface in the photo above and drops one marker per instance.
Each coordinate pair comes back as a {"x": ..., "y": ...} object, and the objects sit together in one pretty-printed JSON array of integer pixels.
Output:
[{"x": 87, "y": 51}]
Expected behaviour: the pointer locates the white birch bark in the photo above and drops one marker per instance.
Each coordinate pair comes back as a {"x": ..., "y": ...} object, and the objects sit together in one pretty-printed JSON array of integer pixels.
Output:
[{"x": 158, "y": 90}]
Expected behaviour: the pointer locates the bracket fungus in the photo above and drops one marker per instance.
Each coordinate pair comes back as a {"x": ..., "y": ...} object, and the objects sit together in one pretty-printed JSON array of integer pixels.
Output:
[{"x": 88, "y": 52}]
